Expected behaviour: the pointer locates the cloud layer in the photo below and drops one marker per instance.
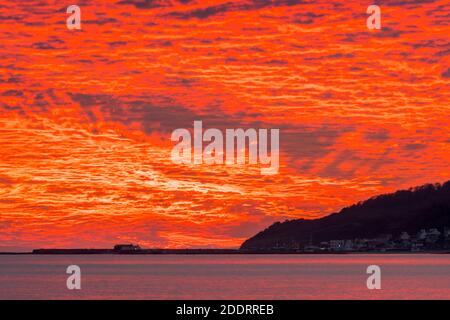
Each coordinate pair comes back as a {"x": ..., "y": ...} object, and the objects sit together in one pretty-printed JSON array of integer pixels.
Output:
[{"x": 86, "y": 116}]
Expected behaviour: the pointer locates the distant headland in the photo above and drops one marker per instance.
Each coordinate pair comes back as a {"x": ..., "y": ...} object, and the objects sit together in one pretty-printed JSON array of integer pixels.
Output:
[{"x": 413, "y": 220}]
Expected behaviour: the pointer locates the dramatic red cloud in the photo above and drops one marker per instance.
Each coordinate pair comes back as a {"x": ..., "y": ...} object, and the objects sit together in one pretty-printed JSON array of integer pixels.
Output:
[{"x": 86, "y": 116}]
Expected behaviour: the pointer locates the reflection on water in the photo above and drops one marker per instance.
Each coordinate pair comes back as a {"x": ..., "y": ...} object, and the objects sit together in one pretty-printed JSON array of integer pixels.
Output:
[{"x": 419, "y": 276}]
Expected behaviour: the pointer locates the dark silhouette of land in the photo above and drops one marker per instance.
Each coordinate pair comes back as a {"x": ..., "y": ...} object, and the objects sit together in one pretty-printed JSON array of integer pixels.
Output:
[{"x": 417, "y": 219}]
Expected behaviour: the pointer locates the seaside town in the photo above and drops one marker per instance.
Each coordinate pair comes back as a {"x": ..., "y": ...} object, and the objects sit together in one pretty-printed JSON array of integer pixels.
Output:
[{"x": 424, "y": 240}]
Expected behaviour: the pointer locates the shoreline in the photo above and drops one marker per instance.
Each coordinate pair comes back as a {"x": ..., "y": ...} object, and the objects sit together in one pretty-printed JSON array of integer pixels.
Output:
[{"x": 206, "y": 252}]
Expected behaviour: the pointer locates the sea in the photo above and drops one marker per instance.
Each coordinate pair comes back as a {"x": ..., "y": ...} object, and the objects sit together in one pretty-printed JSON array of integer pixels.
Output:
[{"x": 227, "y": 276}]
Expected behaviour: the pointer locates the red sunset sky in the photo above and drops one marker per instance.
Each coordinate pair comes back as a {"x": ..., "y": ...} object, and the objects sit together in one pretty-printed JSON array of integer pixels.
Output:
[{"x": 86, "y": 115}]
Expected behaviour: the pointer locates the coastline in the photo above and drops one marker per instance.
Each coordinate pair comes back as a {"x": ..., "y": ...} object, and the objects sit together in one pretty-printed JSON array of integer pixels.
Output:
[{"x": 207, "y": 252}]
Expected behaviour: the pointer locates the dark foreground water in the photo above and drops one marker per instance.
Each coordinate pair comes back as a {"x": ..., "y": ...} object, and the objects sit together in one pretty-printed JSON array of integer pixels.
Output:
[{"x": 403, "y": 276}]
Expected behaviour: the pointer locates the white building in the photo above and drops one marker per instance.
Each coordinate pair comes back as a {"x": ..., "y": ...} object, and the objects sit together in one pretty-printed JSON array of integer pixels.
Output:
[
  {"x": 447, "y": 233},
  {"x": 405, "y": 236},
  {"x": 337, "y": 245},
  {"x": 421, "y": 235},
  {"x": 433, "y": 235},
  {"x": 434, "y": 232}
]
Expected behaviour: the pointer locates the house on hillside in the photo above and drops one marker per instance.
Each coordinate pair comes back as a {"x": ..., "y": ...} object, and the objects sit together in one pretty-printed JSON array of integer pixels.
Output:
[
  {"x": 337, "y": 245},
  {"x": 432, "y": 235}
]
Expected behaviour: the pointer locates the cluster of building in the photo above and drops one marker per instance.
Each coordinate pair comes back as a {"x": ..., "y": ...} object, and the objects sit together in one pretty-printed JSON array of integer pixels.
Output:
[{"x": 431, "y": 239}]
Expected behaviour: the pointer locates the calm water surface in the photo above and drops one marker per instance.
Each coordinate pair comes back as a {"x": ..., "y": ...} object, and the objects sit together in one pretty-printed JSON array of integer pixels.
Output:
[{"x": 404, "y": 276}]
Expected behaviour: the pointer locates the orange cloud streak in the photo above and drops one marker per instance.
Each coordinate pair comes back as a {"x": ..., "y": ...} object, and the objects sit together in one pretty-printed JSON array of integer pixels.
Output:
[{"x": 86, "y": 116}]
